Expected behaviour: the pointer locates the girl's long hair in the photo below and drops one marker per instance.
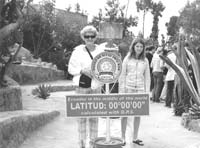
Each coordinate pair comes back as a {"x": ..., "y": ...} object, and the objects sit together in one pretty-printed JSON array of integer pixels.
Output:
[{"x": 132, "y": 53}]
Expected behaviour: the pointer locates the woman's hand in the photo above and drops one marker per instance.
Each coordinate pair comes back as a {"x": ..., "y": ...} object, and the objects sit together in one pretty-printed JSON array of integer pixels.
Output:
[{"x": 87, "y": 71}]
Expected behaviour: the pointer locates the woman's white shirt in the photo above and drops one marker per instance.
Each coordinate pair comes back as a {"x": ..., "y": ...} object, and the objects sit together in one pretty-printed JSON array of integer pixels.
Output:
[{"x": 80, "y": 59}]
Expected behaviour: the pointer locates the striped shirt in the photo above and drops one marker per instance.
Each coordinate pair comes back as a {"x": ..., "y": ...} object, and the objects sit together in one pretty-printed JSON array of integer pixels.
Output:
[{"x": 135, "y": 75}]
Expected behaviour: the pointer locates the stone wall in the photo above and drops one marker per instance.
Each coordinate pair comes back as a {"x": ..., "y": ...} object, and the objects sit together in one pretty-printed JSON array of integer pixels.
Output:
[
  {"x": 15, "y": 128},
  {"x": 10, "y": 99},
  {"x": 26, "y": 74}
]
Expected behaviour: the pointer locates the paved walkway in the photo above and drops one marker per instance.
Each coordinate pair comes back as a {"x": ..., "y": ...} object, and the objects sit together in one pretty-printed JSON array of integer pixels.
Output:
[{"x": 159, "y": 130}]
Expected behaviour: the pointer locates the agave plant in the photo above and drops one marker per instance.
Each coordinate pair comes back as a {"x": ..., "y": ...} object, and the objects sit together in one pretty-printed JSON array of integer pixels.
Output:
[
  {"x": 195, "y": 111},
  {"x": 43, "y": 91},
  {"x": 181, "y": 69}
]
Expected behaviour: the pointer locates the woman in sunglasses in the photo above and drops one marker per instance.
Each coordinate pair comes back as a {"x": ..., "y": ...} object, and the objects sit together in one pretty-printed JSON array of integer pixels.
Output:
[{"x": 80, "y": 67}]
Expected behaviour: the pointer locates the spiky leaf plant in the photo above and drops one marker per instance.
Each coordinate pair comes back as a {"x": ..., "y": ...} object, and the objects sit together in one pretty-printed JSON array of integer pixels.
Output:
[
  {"x": 43, "y": 91},
  {"x": 181, "y": 69}
]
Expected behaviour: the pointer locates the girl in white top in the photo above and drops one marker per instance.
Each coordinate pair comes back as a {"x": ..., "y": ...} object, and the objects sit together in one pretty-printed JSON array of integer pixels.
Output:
[{"x": 135, "y": 78}]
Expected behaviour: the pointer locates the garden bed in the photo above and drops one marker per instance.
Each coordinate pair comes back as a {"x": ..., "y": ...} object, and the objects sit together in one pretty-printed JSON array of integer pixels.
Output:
[{"x": 191, "y": 122}]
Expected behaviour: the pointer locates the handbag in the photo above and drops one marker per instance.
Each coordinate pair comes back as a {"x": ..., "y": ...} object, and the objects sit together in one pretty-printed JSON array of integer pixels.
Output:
[{"x": 85, "y": 81}]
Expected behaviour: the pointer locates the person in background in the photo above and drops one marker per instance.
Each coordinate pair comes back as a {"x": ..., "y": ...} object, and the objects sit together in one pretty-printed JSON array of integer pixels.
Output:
[
  {"x": 157, "y": 71},
  {"x": 80, "y": 67},
  {"x": 135, "y": 78},
  {"x": 149, "y": 54},
  {"x": 170, "y": 75},
  {"x": 164, "y": 89}
]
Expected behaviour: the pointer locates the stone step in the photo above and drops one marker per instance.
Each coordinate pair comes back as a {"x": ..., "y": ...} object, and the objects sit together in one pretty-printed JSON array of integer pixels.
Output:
[
  {"x": 10, "y": 99},
  {"x": 16, "y": 126}
]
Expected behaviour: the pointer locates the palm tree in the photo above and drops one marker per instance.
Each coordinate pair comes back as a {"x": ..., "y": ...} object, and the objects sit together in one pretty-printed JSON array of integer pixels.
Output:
[
  {"x": 144, "y": 5},
  {"x": 157, "y": 9}
]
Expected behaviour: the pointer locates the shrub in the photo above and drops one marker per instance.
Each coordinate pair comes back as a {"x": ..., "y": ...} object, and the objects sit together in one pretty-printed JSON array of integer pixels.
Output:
[
  {"x": 191, "y": 84},
  {"x": 43, "y": 91}
]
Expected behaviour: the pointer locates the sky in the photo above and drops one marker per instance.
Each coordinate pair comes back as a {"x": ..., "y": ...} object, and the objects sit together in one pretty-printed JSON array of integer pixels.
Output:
[{"x": 92, "y": 7}]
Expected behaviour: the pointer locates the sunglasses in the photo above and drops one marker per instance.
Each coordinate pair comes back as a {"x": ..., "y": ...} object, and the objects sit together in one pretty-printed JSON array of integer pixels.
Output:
[{"x": 89, "y": 36}]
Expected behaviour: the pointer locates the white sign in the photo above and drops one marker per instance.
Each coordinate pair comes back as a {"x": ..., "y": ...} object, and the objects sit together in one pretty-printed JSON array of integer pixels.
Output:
[
  {"x": 111, "y": 105},
  {"x": 106, "y": 67}
]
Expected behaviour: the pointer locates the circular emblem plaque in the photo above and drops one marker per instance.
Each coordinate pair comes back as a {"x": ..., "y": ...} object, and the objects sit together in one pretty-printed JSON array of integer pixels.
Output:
[{"x": 106, "y": 67}]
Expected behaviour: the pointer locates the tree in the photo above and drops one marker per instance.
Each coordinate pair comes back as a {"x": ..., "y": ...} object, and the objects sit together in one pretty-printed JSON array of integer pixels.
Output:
[
  {"x": 11, "y": 21},
  {"x": 188, "y": 76},
  {"x": 39, "y": 30},
  {"x": 172, "y": 26},
  {"x": 69, "y": 8},
  {"x": 157, "y": 9},
  {"x": 8, "y": 25},
  {"x": 48, "y": 37},
  {"x": 97, "y": 19},
  {"x": 112, "y": 10},
  {"x": 115, "y": 13},
  {"x": 77, "y": 8},
  {"x": 189, "y": 20},
  {"x": 144, "y": 5},
  {"x": 2, "y": 2}
]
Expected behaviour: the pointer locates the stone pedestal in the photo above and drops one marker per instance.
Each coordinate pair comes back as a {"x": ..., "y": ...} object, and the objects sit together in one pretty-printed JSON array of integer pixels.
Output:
[
  {"x": 101, "y": 142},
  {"x": 10, "y": 99}
]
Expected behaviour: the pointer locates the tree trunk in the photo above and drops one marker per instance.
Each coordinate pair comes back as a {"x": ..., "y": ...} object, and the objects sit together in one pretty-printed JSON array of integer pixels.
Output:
[
  {"x": 1, "y": 5},
  {"x": 8, "y": 29},
  {"x": 143, "y": 22}
]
